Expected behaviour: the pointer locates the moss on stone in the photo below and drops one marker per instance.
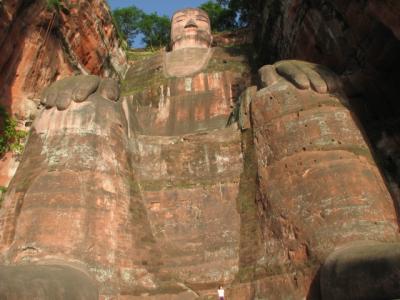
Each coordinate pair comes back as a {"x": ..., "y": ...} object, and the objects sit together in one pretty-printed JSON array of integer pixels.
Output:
[
  {"x": 228, "y": 59},
  {"x": 3, "y": 191},
  {"x": 190, "y": 183},
  {"x": 146, "y": 74},
  {"x": 139, "y": 55},
  {"x": 250, "y": 230},
  {"x": 138, "y": 211}
]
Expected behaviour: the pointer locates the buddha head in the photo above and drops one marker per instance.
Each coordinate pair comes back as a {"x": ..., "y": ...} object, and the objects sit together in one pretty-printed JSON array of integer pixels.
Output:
[{"x": 190, "y": 29}]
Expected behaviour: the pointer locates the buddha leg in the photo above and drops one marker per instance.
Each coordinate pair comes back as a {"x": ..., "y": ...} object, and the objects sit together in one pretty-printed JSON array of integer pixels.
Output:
[
  {"x": 71, "y": 197},
  {"x": 319, "y": 185}
]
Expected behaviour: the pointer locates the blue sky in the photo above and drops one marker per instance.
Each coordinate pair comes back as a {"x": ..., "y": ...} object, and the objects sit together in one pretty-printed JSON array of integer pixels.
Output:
[{"x": 162, "y": 7}]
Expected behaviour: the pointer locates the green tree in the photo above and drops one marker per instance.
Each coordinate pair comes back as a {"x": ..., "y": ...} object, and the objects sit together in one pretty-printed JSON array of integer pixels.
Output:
[
  {"x": 132, "y": 21},
  {"x": 241, "y": 9},
  {"x": 222, "y": 17},
  {"x": 155, "y": 30},
  {"x": 128, "y": 20},
  {"x": 245, "y": 11}
]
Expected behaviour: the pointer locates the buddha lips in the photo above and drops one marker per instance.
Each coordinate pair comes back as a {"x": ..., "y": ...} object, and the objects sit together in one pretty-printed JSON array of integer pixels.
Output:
[{"x": 199, "y": 35}]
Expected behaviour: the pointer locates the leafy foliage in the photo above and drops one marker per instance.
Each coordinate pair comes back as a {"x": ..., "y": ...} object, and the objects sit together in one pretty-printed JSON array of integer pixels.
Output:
[
  {"x": 11, "y": 138},
  {"x": 221, "y": 17},
  {"x": 53, "y": 4},
  {"x": 132, "y": 21},
  {"x": 227, "y": 15},
  {"x": 127, "y": 21},
  {"x": 156, "y": 30},
  {"x": 3, "y": 190},
  {"x": 241, "y": 8}
]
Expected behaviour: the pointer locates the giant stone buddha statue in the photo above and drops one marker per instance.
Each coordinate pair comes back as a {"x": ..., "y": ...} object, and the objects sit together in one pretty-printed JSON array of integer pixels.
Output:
[{"x": 145, "y": 190}]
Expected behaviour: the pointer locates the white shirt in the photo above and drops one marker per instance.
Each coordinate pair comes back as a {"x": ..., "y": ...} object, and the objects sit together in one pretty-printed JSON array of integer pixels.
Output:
[{"x": 220, "y": 292}]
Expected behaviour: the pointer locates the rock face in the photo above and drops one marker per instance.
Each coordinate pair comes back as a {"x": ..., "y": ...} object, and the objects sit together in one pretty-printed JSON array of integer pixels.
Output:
[
  {"x": 187, "y": 167},
  {"x": 362, "y": 271},
  {"x": 33, "y": 282},
  {"x": 157, "y": 195},
  {"x": 319, "y": 190},
  {"x": 357, "y": 39},
  {"x": 39, "y": 45},
  {"x": 160, "y": 212}
]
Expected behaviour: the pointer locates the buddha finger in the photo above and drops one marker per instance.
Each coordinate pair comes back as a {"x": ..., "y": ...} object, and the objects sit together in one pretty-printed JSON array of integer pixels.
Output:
[
  {"x": 268, "y": 75},
  {"x": 86, "y": 85},
  {"x": 294, "y": 74},
  {"x": 64, "y": 99},
  {"x": 109, "y": 89},
  {"x": 331, "y": 79},
  {"x": 316, "y": 80},
  {"x": 50, "y": 98}
]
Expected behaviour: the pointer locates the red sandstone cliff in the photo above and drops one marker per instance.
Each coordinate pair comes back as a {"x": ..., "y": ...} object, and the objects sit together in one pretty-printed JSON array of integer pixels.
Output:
[
  {"x": 39, "y": 45},
  {"x": 192, "y": 171},
  {"x": 359, "y": 40}
]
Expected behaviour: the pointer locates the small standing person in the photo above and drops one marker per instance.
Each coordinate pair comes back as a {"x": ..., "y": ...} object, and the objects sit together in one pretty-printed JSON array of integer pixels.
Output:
[{"x": 221, "y": 293}]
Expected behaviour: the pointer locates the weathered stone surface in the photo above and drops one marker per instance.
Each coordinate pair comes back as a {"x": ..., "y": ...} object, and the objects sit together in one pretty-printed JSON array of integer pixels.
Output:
[
  {"x": 360, "y": 41},
  {"x": 8, "y": 165},
  {"x": 179, "y": 105},
  {"x": 158, "y": 216},
  {"x": 74, "y": 205},
  {"x": 364, "y": 270},
  {"x": 319, "y": 185},
  {"x": 180, "y": 296},
  {"x": 242, "y": 36},
  {"x": 158, "y": 198},
  {"x": 189, "y": 185},
  {"x": 53, "y": 46},
  {"x": 190, "y": 28},
  {"x": 47, "y": 282},
  {"x": 176, "y": 62},
  {"x": 291, "y": 286},
  {"x": 39, "y": 46},
  {"x": 74, "y": 88},
  {"x": 332, "y": 33}
]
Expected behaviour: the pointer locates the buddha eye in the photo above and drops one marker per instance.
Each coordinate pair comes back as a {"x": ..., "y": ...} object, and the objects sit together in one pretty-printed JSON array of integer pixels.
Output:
[
  {"x": 202, "y": 19},
  {"x": 179, "y": 20}
]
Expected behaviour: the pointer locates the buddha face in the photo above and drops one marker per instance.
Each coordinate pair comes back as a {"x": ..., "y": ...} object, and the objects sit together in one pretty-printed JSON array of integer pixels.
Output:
[{"x": 190, "y": 29}]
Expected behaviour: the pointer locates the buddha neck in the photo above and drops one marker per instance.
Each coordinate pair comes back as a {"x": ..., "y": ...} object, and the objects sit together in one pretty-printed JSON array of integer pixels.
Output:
[{"x": 186, "y": 61}]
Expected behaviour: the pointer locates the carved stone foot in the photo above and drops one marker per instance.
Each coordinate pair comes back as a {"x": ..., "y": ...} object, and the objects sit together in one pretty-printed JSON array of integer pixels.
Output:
[
  {"x": 45, "y": 282},
  {"x": 364, "y": 270}
]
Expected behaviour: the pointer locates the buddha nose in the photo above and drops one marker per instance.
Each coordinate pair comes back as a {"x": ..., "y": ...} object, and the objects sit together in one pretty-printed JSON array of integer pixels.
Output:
[{"x": 191, "y": 23}]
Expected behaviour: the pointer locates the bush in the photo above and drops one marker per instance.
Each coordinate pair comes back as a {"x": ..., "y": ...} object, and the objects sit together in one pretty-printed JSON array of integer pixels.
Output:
[{"x": 11, "y": 138}]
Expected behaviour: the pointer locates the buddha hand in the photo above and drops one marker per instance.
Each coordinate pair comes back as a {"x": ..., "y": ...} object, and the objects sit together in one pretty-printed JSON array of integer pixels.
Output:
[
  {"x": 78, "y": 89},
  {"x": 302, "y": 74}
]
